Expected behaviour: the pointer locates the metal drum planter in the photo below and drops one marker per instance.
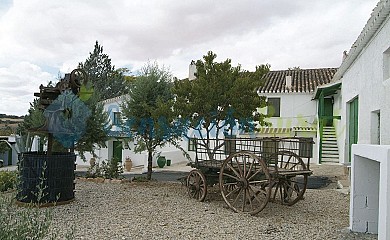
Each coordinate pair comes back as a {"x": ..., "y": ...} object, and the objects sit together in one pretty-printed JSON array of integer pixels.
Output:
[{"x": 53, "y": 174}]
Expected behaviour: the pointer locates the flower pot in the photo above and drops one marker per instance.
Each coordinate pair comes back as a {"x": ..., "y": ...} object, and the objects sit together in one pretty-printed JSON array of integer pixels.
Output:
[
  {"x": 168, "y": 162},
  {"x": 128, "y": 164},
  {"x": 92, "y": 162},
  {"x": 161, "y": 161}
]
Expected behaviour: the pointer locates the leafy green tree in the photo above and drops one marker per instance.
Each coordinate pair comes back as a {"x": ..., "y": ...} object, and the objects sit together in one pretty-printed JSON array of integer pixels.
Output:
[
  {"x": 148, "y": 109},
  {"x": 220, "y": 98},
  {"x": 107, "y": 81},
  {"x": 96, "y": 133}
]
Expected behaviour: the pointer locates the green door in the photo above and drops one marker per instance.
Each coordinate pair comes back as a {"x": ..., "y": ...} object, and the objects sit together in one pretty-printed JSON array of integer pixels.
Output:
[
  {"x": 117, "y": 150},
  {"x": 353, "y": 124},
  {"x": 328, "y": 112}
]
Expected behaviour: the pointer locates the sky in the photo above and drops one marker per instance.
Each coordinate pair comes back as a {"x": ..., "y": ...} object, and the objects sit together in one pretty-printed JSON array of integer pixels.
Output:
[{"x": 43, "y": 39}]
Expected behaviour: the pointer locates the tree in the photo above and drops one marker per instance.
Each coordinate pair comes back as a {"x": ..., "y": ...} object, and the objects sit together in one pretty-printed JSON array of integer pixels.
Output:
[
  {"x": 95, "y": 135},
  {"x": 107, "y": 81},
  {"x": 148, "y": 109},
  {"x": 96, "y": 132},
  {"x": 221, "y": 98}
]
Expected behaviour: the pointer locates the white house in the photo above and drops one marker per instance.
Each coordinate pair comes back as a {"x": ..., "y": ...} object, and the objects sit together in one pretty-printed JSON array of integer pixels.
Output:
[
  {"x": 293, "y": 112},
  {"x": 11, "y": 156},
  {"x": 364, "y": 127},
  {"x": 117, "y": 147}
]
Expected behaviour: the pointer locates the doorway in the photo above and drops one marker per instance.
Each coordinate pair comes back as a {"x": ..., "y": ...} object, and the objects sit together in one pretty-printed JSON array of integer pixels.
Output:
[
  {"x": 328, "y": 112},
  {"x": 117, "y": 150}
]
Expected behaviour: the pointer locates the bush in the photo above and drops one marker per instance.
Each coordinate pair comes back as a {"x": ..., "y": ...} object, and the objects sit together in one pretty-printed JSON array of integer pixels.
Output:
[
  {"x": 94, "y": 171},
  {"x": 112, "y": 169},
  {"x": 8, "y": 180},
  {"x": 28, "y": 222},
  {"x": 109, "y": 170}
]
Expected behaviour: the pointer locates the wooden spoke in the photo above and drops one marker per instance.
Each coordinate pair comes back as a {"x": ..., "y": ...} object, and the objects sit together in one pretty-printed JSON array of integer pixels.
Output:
[
  {"x": 238, "y": 167},
  {"x": 196, "y": 185},
  {"x": 231, "y": 176},
  {"x": 234, "y": 170},
  {"x": 242, "y": 183}
]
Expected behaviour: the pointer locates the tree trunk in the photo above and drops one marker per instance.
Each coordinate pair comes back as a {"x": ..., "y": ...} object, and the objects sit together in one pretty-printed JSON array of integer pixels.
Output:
[{"x": 150, "y": 159}]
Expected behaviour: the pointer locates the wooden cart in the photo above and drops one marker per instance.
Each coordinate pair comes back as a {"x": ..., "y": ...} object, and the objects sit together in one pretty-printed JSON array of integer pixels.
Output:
[{"x": 251, "y": 171}]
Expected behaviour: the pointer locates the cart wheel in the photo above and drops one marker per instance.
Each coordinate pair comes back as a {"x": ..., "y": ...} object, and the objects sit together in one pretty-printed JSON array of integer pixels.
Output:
[
  {"x": 244, "y": 181},
  {"x": 196, "y": 184},
  {"x": 289, "y": 189}
]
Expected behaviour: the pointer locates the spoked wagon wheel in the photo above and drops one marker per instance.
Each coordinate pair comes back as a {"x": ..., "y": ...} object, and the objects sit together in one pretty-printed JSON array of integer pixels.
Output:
[
  {"x": 291, "y": 180},
  {"x": 196, "y": 185},
  {"x": 244, "y": 181}
]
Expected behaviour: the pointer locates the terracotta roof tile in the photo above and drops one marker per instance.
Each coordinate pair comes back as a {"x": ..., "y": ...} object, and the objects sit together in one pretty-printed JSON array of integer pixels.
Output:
[{"x": 302, "y": 80}]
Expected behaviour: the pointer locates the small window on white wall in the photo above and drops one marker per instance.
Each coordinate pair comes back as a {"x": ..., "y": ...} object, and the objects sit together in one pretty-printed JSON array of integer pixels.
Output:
[
  {"x": 117, "y": 118},
  {"x": 386, "y": 64},
  {"x": 375, "y": 127},
  {"x": 273, "y": 109}
]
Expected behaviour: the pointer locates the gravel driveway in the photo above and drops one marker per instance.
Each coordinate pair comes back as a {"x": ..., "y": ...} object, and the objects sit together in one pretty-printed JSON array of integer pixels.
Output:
[{"x": 164, "y": 211}]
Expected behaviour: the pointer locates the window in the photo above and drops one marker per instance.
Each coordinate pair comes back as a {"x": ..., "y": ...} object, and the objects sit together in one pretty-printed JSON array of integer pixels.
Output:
[
  {"x": 375, "y": 127},
  {"x": 117, "y": 118},
  {"x": 386, "y": 64},
  {"x": 192, "y": 144},
  {"x": 273, "y": 109},
  {"x": 230, "y": 144}
]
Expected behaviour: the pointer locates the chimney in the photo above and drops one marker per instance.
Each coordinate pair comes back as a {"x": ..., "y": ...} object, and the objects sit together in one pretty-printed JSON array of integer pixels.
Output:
[
  {"x": 288, "y": 82},
  {"x": 192, "y": 71}
]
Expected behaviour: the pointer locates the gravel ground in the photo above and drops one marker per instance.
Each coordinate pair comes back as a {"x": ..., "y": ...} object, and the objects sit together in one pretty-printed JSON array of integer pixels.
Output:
[{"x": 164, "y": 211}]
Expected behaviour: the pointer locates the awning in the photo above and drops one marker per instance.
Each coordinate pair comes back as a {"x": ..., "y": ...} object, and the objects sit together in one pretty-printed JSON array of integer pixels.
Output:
[{"x": 327, "y": 90}]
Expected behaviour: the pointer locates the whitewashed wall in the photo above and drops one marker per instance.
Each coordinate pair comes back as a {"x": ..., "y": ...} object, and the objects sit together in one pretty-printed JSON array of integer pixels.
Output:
[
  {"x": 296, "y": 109},
  {"x": 369, "y": 79},
  {"x": 138, "y": 159}
]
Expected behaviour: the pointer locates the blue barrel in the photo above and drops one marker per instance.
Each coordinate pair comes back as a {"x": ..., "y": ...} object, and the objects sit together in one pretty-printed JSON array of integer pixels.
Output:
[{"x": 54, "y": 173}]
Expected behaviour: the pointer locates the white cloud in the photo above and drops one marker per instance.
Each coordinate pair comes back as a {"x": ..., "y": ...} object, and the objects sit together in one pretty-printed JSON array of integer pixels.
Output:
[
  {"x": 57, "y": 34},
  {"x": 18, "y": 82}
]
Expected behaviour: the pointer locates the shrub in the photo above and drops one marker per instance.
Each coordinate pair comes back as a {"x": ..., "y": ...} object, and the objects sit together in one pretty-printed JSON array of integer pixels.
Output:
[
  {"x": 28, "y": 222},
  {"x": 7, "y": 180},
  {"x": 112, "y": 169},
  {"x": 109, "y": 170},
  {"x": 94, "y": 171}
]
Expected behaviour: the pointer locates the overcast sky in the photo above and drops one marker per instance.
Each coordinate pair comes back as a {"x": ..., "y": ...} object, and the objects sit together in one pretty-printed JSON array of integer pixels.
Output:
[{"x": 41, "y": 38}]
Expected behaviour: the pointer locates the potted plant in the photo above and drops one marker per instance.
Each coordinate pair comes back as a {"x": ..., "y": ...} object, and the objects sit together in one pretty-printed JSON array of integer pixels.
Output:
[
  {"x": 128, "y": 164},
  {"x": 161, "y": 160}
]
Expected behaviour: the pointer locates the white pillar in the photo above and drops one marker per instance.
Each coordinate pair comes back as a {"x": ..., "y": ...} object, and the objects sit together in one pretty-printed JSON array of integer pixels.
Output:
[{"x": 370, "y": 190}]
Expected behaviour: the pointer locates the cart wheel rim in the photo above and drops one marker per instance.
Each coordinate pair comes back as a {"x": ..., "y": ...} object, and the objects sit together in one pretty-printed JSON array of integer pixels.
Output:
[
  {"x": 244, "y": 183},
  {"x": 196, "y": 185}
]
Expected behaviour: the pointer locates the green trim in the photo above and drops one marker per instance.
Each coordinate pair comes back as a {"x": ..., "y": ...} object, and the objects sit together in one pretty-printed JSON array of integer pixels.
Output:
[{"x": 327, "y": 90}]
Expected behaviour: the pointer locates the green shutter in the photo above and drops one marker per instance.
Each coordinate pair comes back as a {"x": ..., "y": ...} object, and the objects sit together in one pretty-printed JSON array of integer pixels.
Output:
[
  {"x": 353, "y": 124},
  {"x": 117, "y": 150}
]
